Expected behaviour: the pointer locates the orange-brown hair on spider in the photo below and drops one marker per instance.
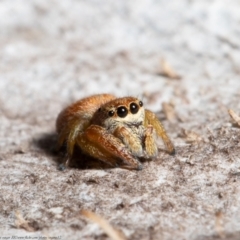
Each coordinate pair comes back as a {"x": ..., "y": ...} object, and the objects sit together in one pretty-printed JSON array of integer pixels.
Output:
[{"x": 111, "y": 129}]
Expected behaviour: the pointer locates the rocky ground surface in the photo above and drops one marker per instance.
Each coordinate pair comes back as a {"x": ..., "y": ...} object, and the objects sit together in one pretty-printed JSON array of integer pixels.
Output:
[{"x": 182, "y": 58}]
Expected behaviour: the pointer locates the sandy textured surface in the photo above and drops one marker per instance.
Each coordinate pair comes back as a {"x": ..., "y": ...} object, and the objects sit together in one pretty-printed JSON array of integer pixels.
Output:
[{"x": 55, "y": 52}]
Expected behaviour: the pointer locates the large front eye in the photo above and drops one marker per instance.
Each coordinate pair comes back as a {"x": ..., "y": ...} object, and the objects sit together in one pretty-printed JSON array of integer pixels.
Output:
[
  {"x": 122, "y": 112},
  {"x": 133, "y": 108}
]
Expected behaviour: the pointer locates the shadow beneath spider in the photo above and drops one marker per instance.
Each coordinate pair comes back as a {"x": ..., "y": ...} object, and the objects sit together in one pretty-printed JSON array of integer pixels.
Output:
[
  {"x": 48, "y": 142},
  {"x": 83, "y": 161}
]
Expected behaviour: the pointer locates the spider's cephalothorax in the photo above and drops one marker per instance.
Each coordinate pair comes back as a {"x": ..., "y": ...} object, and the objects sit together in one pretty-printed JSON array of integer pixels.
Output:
[{"x": 110, "y": 128}]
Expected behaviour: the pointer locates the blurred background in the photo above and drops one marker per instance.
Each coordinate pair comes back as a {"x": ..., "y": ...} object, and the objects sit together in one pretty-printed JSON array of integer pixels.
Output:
[{"x": 54, "y": 52}]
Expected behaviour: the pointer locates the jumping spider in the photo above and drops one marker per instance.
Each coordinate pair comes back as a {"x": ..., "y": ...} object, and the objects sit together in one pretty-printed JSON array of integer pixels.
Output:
[{"x": 111, "y": 129}]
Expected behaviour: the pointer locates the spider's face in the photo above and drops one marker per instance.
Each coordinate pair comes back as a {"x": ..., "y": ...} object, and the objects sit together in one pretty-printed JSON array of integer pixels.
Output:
[{"x": 127, "y": 110}]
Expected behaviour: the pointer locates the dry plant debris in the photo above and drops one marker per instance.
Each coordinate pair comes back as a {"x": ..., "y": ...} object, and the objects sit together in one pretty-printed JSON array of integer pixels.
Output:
[
  {"x": 190, "y": 136},
  {"x": 234, "y": 116},
  {"x": 107, "y": 228},
  {"x": 22, "y": 223},
  {"x": 168, "y": 71},
  {"x": 219, "y": 224},
  {"x": 169, "y": 111}
]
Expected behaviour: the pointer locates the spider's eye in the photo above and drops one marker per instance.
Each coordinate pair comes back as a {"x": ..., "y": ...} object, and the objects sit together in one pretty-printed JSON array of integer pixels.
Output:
[
  {"x": 140, "y": 103},
  {"x": 122, "y": 112},
  {"x": 111, "y": 113},
  {"x": 134, "y": 108}
]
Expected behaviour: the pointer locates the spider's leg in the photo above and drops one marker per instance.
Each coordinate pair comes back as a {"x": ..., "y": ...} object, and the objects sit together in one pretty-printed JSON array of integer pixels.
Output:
[
  {"x": 130, "y": 139},
  {"x": 68, "y": 136},
  {"x": 151, "y": 149},
  {"x": 98, "y": 143},
  {"x": 151, "y": 119}
]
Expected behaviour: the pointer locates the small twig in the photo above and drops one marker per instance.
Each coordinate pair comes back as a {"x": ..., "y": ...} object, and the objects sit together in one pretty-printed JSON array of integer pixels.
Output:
[
  {"x": 234, "y": 116},
  {"x": 190, "y": 136},
  {"x": 169, "y": 110},
  {"x": 107, "y": 228},
  {"x": 22, "y": 223},
  {"x": 219, "y": 224},
  {"x": 168, "y": 71}
]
